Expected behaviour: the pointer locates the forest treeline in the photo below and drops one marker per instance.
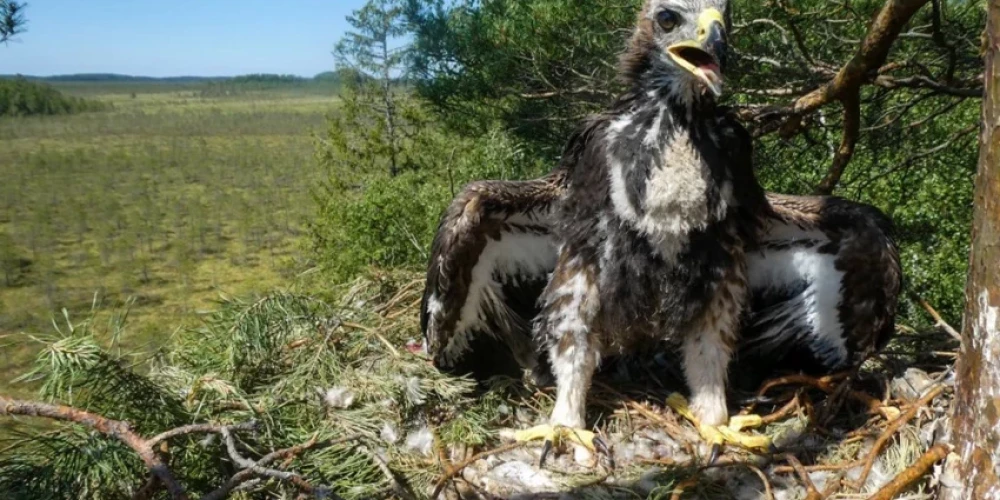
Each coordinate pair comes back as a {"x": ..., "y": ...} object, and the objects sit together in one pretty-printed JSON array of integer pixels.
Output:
[{"x": 20, "y": 97}]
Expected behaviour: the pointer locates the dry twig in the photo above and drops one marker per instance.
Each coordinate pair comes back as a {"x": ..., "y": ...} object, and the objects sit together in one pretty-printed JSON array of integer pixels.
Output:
[
  {"x": 939, "y": 321},
  {"x": 913, "y": 473},
  {"x": 397, "y": 486},
  {"x": 454, "y": 470},
  {"x": 683, "y": 485},
  {"x": 891, "y": 430},
  {"x": 811, "y": 492},
  {"x": 827, "y": 385}
]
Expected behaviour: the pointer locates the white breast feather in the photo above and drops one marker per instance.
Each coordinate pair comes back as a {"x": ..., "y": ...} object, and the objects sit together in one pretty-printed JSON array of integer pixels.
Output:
[{"x": 676, "y": 201}]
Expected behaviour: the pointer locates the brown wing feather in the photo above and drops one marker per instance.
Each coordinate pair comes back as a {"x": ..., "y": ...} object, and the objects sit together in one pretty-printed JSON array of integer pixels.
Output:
[
  {"x": 861, "y": 239},
  {"x": 488, "y": 265}
]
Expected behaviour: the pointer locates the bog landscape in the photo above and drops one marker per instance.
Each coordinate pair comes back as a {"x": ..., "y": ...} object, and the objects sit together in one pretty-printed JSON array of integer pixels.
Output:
[{"x": 247, "y": 254}]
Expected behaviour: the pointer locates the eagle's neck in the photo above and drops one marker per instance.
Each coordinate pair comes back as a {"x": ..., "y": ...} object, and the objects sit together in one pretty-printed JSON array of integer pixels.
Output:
[{"x": 668, "y": 175}]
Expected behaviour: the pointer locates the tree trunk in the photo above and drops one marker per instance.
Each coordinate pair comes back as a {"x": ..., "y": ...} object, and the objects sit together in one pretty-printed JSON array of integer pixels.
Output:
[
  {"x": 977, "y": 404},
  {"x": 390, "y": 105}
]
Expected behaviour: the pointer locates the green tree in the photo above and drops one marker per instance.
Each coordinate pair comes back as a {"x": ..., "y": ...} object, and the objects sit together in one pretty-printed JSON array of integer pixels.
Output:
[
  {"x": 376, "y": 48},
  {"x": 12, "y": 19}
]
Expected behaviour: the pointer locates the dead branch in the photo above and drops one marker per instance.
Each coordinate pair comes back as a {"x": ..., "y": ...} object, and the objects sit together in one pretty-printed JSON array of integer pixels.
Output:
[
  {"x": 116, "y": 429},
  {"x": 827, "y": 385},
  {"x": 786, "y": 469},
  {"x": 792, "y": 406},
  {"x": 683, "y": 485},
  {"x": 913, "y": 473},
  {"x": 891, "y": 430},
  {"x": 197, "y": 429},
  {"x": 259, "y": 469},
  {"x": 939, "y": 321},
  {"x": 768, "y": 491}
]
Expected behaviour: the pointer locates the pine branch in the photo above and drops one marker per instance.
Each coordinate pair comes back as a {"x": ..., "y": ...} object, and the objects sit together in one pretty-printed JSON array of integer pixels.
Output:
[
  {"x": 116, "y": 429},
  {"x": 161, "y": 476}
]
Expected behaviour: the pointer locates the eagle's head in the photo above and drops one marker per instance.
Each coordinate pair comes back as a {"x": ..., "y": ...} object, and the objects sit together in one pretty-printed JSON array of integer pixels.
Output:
[{"x": 679, "y": 47}]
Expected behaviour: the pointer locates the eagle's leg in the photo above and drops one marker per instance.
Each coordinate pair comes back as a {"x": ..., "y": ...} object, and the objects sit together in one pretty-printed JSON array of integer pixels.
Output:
[
  {"x": 707, "y": 352},
  {"x": 565, "y": 326}
]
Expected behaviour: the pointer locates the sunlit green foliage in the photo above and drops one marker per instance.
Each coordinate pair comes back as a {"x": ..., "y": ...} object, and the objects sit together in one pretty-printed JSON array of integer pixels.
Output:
[{"x": 270, "y": 361}]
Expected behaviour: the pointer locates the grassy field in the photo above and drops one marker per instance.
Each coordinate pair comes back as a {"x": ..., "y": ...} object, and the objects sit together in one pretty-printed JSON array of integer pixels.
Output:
[{"x": 176, "y": 196}]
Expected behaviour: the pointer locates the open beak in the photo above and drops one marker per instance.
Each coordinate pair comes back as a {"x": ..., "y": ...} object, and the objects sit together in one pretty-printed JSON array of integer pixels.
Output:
[{"x": 705, "y": 56}]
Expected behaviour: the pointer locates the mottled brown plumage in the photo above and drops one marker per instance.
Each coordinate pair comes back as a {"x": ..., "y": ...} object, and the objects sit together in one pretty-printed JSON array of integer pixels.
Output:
[{"x": 653, "y": 228}]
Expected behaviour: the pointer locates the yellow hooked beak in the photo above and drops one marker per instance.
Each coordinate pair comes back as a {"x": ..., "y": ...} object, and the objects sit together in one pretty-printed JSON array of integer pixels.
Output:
[{"x": 705, "y": 56}]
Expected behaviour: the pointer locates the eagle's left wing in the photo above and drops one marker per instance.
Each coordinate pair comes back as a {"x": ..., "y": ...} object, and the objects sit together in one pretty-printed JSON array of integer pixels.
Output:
[{"x": 491, "y": 259}]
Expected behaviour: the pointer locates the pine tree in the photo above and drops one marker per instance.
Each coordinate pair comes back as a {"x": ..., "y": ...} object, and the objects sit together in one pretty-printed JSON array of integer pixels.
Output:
[
  {"x": 374, "y": 50},
  {"x": 977, "y": 408},
  {"x": 12, "y": 19}
]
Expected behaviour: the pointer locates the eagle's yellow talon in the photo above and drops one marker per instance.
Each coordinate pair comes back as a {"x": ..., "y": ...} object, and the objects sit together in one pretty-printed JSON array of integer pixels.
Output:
[
  {"x": 740, "y": 422},
  {"x": 557, "y": 435},
  {"x": 730, "y": 433}
]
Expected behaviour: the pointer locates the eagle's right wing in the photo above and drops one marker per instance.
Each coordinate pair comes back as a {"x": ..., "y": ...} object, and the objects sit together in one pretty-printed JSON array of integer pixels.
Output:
[
  {"x": 491, "y": 259},
  {"x": 825, "y": 283}
]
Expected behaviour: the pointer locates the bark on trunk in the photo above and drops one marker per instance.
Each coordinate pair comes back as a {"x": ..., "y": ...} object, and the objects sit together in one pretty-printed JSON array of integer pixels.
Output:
[{"x": 977, "y": 405}]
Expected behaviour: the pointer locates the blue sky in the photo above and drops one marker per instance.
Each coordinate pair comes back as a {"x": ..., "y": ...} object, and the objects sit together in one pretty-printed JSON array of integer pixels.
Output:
[{"x": 178, "y": 37}]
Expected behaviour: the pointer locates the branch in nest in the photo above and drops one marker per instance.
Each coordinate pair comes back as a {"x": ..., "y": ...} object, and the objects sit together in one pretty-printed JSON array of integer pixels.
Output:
[
  {"x": 112, "y": 428},
  {"x": 827, "y": 385},
  {"x": 253, "y": 470},
  {"x": 891, "y": 430},
  {"x": 455, "y": 470},
  {"x": 913, "y": 473},
  {"x": 161, "y": 476},
  {"x": 939, "y": 321},
  {"x": 196, "y": 429},
  {"x": 811, "y": 492},
  {"x": 398, "y": 486}
]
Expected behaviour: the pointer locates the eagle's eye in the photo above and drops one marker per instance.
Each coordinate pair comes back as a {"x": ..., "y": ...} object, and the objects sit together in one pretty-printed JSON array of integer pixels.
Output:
[{"x": 668, "y": 19}]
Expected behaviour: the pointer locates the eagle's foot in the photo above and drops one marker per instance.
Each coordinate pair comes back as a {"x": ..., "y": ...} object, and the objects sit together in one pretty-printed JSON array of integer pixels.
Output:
[
  {"x": 557, "y": 436},
  {"x": 730, "y": 433}
]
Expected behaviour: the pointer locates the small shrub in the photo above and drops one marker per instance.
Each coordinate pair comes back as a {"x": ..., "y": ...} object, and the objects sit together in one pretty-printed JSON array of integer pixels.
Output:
[{"x": 384, "y": 221}]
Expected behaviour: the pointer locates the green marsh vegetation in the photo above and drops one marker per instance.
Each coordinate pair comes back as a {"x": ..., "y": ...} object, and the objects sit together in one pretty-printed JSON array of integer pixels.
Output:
[{"x": 165, "y": 200}]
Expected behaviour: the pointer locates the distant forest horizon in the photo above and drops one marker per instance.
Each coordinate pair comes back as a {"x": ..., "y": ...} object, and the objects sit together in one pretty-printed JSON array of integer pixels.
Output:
[{"x": 119, "y": 77}]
